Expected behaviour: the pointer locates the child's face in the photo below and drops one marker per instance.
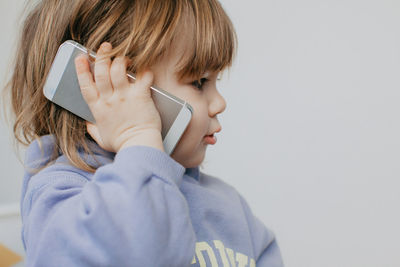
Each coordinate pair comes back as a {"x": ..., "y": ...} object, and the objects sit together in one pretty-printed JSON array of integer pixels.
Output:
[{"x": 206, "y": 103}]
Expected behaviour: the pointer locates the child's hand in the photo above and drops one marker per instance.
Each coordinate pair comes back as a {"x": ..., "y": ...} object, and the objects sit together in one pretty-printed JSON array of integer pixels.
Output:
[{"x": 125, "y": 113}]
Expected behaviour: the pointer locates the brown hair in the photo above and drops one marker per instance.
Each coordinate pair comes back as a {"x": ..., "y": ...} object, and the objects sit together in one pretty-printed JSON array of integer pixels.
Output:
[{"x": 142, "y": 30}]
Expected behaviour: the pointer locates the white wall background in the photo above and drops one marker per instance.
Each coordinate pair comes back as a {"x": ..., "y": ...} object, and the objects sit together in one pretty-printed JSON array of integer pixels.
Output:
[{"x": 311, "y": 133}]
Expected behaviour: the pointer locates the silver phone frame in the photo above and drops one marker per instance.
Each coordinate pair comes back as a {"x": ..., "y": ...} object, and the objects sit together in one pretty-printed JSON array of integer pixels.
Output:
[{"x": 55, "y": 74}]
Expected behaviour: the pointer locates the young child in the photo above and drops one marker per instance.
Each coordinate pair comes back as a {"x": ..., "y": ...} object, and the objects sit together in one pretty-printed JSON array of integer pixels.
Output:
[{"x": 107, "y": 194}]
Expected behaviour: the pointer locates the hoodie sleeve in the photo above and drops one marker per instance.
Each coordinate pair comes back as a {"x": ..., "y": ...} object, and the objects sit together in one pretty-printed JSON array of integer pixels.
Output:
[
  {"x": 131, "y": 213},
  {"x": 266, "y": 250}
]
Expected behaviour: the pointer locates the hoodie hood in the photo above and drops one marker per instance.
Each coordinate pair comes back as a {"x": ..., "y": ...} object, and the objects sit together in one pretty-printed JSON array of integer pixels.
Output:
[
  {"x": 40, "y": 150},
  {"x": 35, "y": 157}
]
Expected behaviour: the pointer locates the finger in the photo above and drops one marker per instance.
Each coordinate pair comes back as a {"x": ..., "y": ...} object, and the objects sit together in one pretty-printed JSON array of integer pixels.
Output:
[
  {"x": 85, "y": 79},
  {"x": 119, "y": 79},
  {"x": 102, "y": 70},
  {"x": 144, "y": 81}
]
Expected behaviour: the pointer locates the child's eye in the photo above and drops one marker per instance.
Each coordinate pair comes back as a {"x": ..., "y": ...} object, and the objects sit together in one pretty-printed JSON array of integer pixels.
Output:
[{"x": 199, "y": 83}]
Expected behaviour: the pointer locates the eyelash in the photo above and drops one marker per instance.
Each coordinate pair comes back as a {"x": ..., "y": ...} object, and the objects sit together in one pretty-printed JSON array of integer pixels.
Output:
[{"x": 199, "y": 83}]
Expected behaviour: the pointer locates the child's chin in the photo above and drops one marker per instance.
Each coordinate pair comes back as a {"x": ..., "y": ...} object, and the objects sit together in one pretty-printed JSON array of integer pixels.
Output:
[{"x": 192, "y": 160}]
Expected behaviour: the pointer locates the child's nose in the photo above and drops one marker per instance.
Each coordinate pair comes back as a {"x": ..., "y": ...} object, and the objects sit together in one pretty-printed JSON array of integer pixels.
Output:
[{"x": 217, "y": 104}]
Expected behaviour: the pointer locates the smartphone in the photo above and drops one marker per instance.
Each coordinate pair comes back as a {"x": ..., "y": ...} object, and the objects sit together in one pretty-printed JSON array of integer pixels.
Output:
[{"x": 62, "y": 88}]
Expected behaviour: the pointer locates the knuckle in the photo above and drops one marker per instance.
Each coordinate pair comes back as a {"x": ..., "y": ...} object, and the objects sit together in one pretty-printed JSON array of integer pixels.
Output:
[
  {"x": 80, "y": 64},
  {"x": 85, "y": 84},
  {"x": 108, "y": 103},
  {"x": 85, "y": 89},
  {"x": 101, "y": 77},
  {"x": 101, "y": 59},
  {"x": 87, "y": 96},
  {"x": 117, "y": 65},
  {"x": 114, "y": 70},
  {"x": 118, "y": 98},
  {"x": 120, "y": 61}
]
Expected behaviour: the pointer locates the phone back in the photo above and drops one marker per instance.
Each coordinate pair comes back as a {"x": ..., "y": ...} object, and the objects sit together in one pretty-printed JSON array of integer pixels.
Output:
[{"x": 62, "y": 88}]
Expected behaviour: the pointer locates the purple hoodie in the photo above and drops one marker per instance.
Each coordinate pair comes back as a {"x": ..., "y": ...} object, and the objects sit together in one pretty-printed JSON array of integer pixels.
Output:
[{"x": 140, "y": 208}]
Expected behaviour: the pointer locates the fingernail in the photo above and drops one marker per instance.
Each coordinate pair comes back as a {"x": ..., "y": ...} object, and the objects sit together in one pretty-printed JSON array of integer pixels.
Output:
[{"x": 106, "y": 45}]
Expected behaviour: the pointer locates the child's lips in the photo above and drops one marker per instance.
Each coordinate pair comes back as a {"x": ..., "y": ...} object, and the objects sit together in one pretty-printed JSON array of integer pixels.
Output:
[{"x": 210, "y": 139}]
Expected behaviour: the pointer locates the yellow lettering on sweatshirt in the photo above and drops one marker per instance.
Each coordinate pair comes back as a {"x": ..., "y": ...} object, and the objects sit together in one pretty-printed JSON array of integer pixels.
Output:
[
  {"x": 221, "y": 249},
  {"x": 204, "y": 246},
  {"x": 231, "y": 256},
  {"x": 241, "y": 259},
  {"x": 236, "y": 259}
]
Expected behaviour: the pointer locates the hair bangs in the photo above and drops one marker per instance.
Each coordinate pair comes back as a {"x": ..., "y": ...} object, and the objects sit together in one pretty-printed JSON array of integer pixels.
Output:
[{"x": 212, "y": 41}]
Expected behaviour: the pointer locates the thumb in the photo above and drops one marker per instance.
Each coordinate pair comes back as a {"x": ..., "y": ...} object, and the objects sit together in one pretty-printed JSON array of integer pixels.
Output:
[{"x": 94, "y": 133}]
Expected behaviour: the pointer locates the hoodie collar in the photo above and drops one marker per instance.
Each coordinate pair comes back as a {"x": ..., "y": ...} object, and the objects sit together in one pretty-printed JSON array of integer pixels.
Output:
[
  {"x": 34, "y": 158},
  {"x": 193, "y": 172}
]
